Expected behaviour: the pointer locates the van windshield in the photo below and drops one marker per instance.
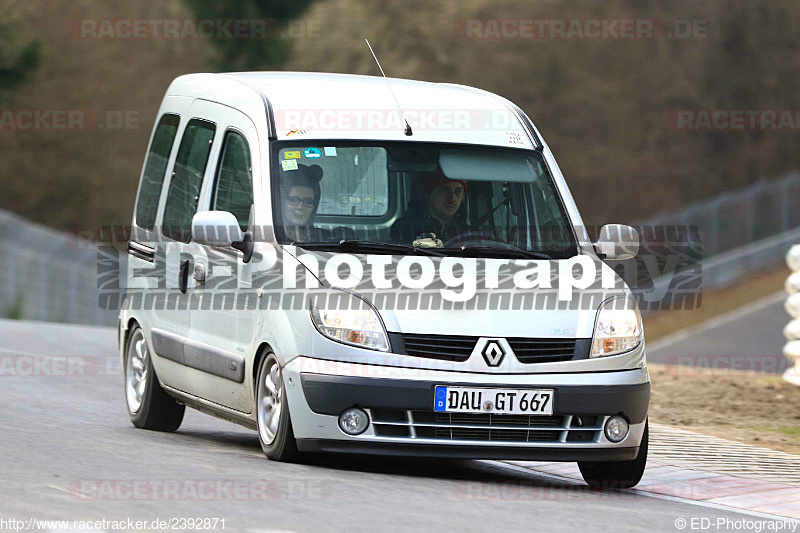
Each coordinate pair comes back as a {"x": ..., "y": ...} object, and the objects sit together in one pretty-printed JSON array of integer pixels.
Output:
[{"x": 400, "y": 198}]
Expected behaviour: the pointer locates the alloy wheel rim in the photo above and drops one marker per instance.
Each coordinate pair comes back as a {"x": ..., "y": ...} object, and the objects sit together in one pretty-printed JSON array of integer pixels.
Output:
[
  {"x": 136, "y": 372},
  {"x": 270, "y": 399}
]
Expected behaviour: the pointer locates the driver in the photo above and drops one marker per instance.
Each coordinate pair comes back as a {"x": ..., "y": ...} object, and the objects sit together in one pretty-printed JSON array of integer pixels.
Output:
[{"x": 440, "y": 213}]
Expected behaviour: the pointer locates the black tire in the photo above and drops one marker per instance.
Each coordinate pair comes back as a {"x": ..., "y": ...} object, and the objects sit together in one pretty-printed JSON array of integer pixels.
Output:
[
  {"x": 617, "y": 474},
  {"x": 156, "y": 410},
  {"x": 278, "y": 444}
]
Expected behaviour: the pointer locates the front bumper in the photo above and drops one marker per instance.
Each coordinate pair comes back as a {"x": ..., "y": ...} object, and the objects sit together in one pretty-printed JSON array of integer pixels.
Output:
[{"x": 400, "y": 405}]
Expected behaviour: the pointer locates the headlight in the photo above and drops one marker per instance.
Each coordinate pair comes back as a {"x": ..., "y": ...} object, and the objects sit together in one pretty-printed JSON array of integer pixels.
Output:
[
  {"x": 356, "y": 323},
  {"x": 618, "y": 327}
]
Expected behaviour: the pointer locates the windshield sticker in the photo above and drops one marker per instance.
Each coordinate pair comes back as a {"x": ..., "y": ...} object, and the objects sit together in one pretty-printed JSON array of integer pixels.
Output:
[
  {"x": 330, "y": 151},
  {"x": 291, "y": 154},
  {"x": 289, "y": 164},
  {"x": 312, "y": 153}
]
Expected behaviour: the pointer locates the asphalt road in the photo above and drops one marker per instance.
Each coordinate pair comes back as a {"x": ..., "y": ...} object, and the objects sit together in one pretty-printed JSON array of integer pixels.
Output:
[
  {"x": 750, "y": 338},
  {"x": 69, "y": 452}
]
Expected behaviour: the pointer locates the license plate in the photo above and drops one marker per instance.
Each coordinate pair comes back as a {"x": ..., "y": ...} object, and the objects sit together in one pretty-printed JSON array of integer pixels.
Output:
[{"x": 495, "y": 401}]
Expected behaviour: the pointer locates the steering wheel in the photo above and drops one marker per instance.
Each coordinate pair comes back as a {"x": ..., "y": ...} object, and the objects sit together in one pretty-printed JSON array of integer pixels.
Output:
[
  {"x": 343, "y": 233},
  {"x": 473, "y": 237}
]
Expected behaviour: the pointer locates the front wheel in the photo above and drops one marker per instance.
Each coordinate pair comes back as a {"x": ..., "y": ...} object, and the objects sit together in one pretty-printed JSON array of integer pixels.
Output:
[
  {"x": 272, "y": 412},
  {"x": 148, "y": 405},
  {"x": 617, "y": 474}
]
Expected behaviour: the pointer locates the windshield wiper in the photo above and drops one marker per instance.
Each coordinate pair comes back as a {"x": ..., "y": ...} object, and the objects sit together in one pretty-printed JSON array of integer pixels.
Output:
[
  {"x": 355, "y": 246},
  {"x": 359, "y": 245},
  {"x": 496, "y": 251}
]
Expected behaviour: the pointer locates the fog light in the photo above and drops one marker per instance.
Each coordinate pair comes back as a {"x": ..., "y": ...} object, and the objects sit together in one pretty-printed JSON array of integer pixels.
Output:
[
  {"x": 353, "y": 421},
  {"x": 616, "y": 428}
]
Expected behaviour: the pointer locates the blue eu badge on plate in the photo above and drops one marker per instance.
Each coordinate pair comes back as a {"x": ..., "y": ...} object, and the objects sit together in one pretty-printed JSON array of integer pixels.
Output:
[{"x": 440, "y": 399}]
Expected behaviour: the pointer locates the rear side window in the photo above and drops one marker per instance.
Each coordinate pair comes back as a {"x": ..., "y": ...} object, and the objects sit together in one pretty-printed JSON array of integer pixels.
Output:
[
  {"x": 187, "y": 178},
  {"x": 234, "y": 187},
  {"x": 154, "y": 167}
]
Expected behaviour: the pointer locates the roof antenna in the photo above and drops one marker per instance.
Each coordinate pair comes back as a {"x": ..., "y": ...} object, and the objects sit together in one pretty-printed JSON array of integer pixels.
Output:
[{"x": 407, "y": 129}]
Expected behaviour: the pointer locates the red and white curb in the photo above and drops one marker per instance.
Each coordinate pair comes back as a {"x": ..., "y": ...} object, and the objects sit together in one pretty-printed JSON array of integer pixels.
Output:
[{"x": 717, "y": 472}]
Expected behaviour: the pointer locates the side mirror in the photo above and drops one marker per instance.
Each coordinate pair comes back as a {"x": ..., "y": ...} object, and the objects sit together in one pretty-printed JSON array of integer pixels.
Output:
[
  {"x": 216, "y": 228},
  {"x": 617, "y": 242}
]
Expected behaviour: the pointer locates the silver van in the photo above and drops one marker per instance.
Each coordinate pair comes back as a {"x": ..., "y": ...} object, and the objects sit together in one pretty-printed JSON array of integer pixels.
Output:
[{"x": 353, "y": 264}]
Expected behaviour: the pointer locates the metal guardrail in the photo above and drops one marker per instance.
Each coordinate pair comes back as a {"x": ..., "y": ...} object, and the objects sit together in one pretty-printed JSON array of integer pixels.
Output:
[
  {"x": 735, "y": 219},
  {"x": 792, "y": 330},
  {"x": 713, "y": 244},
  {"x": 729, "y": 267},
  {"x": 47, "y": 275}
]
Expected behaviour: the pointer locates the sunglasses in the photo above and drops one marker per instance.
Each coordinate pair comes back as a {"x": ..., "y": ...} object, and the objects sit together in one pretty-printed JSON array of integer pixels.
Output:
[{"x": 294, "y": 201}]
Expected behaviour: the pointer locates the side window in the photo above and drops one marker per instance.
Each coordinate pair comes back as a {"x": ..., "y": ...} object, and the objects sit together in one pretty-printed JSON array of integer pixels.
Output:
[
  {"x": 154, "y": 167},
  {"x": 187, "y": 178},
  {"x": 233, "y": 191}
]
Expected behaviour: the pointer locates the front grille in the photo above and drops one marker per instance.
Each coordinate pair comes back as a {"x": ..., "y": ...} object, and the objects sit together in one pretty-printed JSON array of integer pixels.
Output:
[
  {"x": 485, "y": 427},
  {"x": 481, "y": 419},
  {"x": 543, "y": 350},
  {"x": 444, "y": 347},
  {"x": 458, "y": 348}
]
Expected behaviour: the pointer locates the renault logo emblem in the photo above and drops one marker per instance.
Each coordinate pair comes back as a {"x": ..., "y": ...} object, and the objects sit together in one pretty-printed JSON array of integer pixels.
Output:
[{"x": 493, "y": 353}]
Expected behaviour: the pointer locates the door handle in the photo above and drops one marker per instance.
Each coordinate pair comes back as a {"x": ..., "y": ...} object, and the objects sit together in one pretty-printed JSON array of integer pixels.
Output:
[{"x": 183, "y": 276}]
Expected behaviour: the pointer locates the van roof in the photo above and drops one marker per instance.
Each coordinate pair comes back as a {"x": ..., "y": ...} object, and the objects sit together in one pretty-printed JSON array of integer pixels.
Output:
[{"x": 315, "y": 105}]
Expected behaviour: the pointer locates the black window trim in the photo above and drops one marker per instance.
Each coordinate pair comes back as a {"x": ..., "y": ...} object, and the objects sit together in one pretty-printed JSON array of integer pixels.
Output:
[
  {"x": 218, "y": 168},
  {"x": 172, "y": 174},
  {"x": 166, "y": 169}
]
